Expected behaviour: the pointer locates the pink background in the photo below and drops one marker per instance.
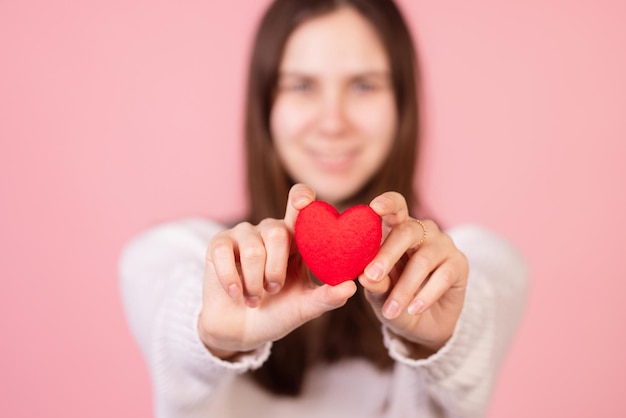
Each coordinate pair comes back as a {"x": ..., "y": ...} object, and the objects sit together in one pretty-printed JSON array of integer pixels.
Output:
[{"x": 115, "y": 115}]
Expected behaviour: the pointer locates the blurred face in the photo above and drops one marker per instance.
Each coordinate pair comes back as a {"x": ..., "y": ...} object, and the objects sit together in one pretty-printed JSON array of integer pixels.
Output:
[{"x": 334, "y": 118}]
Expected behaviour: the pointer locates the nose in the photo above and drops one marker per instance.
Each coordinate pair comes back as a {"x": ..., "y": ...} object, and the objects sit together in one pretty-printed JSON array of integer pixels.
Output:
[{"x": 333, "y": 119}]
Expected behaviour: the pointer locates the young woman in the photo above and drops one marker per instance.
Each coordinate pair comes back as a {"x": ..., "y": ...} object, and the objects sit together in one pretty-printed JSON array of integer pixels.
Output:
[{"x": 230, "y": 320}]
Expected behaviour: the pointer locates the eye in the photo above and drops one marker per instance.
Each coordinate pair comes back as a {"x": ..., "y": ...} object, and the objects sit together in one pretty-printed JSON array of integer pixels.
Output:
[
  {"x": 364, "y": 86},
  {"x": 302, "y": 86},
  {"x": 370, "y": 83},
  {"x": 297, "y": 85}
]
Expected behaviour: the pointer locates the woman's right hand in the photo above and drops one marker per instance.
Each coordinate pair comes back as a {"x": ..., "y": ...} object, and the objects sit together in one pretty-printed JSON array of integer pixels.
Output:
[{"x": 256, "y": 287}]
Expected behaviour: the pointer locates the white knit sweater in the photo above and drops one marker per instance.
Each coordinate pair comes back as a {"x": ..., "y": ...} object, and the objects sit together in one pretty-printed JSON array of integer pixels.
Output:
[{"x": 161, "y": 284}]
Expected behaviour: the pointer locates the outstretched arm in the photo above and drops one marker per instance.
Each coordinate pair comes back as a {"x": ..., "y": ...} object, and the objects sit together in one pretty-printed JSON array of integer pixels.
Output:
[
  {"x": 161, "y": 273},
  {"x": 459, "y": 377}
]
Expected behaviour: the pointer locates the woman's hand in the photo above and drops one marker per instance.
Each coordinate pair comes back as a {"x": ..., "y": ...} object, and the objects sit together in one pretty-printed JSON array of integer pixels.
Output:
[
  {"x": 256, "y": 288},
  {"x": 416, "y": 283}
]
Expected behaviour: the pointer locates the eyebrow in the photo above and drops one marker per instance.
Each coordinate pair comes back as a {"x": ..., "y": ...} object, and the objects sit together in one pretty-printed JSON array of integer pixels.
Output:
[{"x": 365, "y": 74}]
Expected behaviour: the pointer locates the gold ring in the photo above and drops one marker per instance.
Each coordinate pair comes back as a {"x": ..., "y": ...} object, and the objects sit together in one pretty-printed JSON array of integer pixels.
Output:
[{"x": 423, "y": 228}]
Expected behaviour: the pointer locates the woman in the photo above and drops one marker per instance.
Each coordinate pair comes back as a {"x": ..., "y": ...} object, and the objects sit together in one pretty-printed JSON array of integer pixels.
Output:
[{"x": 230, "y": 320}]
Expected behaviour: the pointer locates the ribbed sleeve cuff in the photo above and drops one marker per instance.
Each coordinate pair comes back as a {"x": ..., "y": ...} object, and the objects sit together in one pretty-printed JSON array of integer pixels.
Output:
[
  {"x": 179, "y": 345},
  {"x": 447, "y": 361}
]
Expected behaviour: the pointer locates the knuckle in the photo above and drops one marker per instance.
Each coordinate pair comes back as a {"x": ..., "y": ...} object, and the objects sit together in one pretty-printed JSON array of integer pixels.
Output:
[
  {"x": 411, "y": 230},
  {"x": 267, "y": 223},
  {"x": 278, "y": 234},
  {"x": 447, "y": 277},
  {"x": 243, "y": 227},
  {"x": 430, "y": 225},
  {"x": 220, "y": 248},
  {"x": 445, "y": 238},
  {"x": 406, "y": 228},
  {"x": 254, "y": 252},
  {"x": 423, "y": 260}
]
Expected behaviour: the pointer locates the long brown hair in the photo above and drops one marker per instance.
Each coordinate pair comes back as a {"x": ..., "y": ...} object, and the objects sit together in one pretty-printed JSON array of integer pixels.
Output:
[{"x": 353, "y": 330}]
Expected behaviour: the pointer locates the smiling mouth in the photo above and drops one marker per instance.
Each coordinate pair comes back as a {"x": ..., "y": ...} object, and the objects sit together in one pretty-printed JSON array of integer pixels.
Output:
[{"x": 334, "y": 161}]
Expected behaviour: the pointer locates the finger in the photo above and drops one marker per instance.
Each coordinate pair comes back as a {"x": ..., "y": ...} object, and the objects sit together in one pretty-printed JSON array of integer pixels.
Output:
[
  {"x": 300, "y": 195},
  {"x": 391, "y": 207},
  {"x": 418, "y": 268},
  {"x": 221, "y": 257},
  {"x": 441, "y": 281},
  {"x": 325, "y": 298},
  {"x": 404, "y": 238},
  {"x": 252, "y": 260},
  {"x": 379, "y": 287},
  {"x": 277, "y": 243}
]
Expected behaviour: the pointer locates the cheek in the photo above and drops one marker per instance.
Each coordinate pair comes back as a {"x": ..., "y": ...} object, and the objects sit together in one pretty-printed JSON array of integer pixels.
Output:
[
  {"x": 277, "y": 120},
  {"x": 287, "y": 119},
  {"x": 379, "y": 121}
]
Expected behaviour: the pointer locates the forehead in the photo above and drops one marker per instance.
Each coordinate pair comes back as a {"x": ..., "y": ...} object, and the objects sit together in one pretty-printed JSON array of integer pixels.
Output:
[{"x": 342, "y": 41}]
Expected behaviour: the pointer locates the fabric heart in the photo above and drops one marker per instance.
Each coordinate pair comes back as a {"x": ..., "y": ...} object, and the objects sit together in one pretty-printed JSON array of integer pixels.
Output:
[{"x": 337, "y": 247}]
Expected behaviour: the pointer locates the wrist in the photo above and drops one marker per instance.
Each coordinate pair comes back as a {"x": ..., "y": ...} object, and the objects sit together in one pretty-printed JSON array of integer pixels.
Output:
[
  {"x": 214, "y": 349},
  {"x": 415, "y": 349},
  {"x": 222, "y": 354}
]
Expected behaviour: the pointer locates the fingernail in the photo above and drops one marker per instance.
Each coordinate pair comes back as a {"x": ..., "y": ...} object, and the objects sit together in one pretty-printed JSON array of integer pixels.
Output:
[
  {"x": 416, "y": 307},
  {"x": 233, "y": 291},
  {"x": 272, "y": 287},
  {"x": 252, "y": 301},
  {"x": 377, "y": 206},
  {"x": 391, "y": 309},
  {"x": 374, "y": 272},
  {"x": 302, "y": 200}
]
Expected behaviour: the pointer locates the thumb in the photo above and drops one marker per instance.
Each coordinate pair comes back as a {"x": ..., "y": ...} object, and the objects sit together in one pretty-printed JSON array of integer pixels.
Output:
[
  {"x": 300, "y": 195},
  {"x": 326, "y": 298}
]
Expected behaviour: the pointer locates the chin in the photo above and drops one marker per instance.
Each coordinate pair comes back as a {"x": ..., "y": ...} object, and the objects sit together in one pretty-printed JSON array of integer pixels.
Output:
[{"x": 339, "y": 199}]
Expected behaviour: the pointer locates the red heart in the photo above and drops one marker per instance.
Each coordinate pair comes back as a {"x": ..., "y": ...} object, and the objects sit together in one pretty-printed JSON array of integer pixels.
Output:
[{"x": 337, "y": 247}]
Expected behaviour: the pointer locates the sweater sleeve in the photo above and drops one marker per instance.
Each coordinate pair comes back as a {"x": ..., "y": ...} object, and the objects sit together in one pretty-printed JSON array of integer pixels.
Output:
[
  {"x": 459, "y": 378},
  {"x": 161, "y": 273}
]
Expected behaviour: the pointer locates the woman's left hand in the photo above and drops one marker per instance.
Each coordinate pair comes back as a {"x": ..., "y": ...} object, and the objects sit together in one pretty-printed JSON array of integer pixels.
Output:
[{"x": 416, "y": 283}]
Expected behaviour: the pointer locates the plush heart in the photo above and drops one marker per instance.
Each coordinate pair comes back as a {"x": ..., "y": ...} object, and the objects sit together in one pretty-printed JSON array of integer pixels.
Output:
[{"x": 337, "y": 247}]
